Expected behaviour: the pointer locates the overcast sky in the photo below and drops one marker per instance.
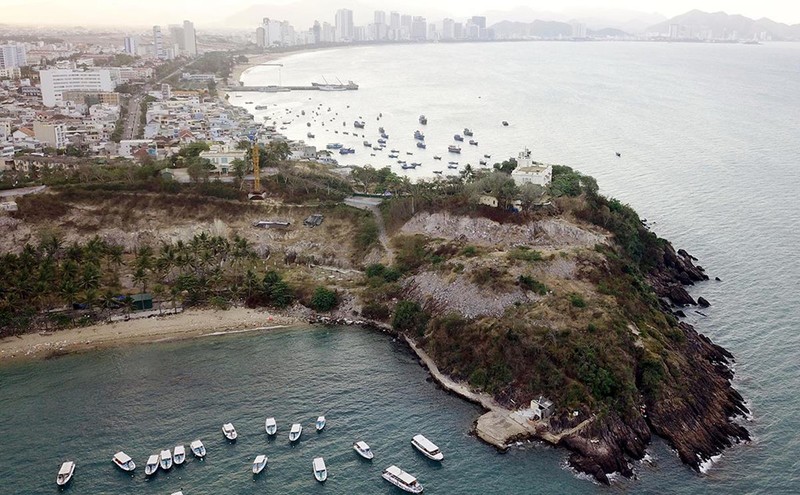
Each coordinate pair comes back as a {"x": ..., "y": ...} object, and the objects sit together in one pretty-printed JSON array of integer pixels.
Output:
[{"x": 203, "y": 12}]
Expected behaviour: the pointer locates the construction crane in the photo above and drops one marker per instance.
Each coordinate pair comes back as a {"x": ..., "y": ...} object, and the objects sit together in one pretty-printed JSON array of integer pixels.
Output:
[{"x": 256, "y": 193}]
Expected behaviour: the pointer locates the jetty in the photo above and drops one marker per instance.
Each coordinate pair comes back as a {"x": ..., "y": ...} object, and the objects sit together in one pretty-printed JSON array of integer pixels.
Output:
[{"x": 350, "y": 86}]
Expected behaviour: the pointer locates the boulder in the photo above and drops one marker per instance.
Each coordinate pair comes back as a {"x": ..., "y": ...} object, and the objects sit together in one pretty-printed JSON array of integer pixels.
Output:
[{"x": 703, "y": 302}]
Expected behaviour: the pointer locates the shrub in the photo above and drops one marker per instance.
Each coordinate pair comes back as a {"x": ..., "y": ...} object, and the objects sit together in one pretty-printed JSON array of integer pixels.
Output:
[
  {"x": 409, "y": 317},
  {"x": 531, "y": 284},
  {"x": 376, "y": 311},
  {"x": 375, "y": 270},
  {"x": 470, "y": 251},
  {"x": 324, "y": 299},
  {"x": 525, "y": 254},
  {"x": 577, "y": 300}
]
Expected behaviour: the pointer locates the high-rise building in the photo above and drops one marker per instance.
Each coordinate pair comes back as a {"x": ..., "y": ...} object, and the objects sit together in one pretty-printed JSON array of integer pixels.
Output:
[
  {"x": 158, "y": 44},
  {"x": 448, "y": 29},
  {"x": 260, "y": 36},
  {"x": 317, "y": 30},
  {"x": 328, "y": 33},
  {"x": 394, "y": 20},
  {"x": 176, "y": 37},
  {"x": 189, "y": 39},
  {"x": 272, "y": 33},
  {"x": 12, "y": 56},
  {"x": 578, "y": 30},
  {"x": 55, "y": 82},
  {"x": 479, "y": 21},
  {"x": 419, "y": 29},
  {"x": 344, "y": 25},
  {"x": 380, "y": 17},
  {"x": 131, "y": 45},
  {"x": 53, "y": 135},
  {"x": 458, "y": 31}
]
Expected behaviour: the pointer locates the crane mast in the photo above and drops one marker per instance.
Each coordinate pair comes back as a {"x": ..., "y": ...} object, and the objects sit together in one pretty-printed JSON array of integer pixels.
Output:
[{"x": 256, "y": 193}]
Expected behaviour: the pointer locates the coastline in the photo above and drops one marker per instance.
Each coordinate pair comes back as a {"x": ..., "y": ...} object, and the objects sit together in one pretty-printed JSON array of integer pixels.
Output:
[{"x": 184, "y": 326}]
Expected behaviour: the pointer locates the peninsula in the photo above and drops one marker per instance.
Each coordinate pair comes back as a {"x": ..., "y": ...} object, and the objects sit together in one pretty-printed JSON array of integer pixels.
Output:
[{"x": 560, "y": 315}]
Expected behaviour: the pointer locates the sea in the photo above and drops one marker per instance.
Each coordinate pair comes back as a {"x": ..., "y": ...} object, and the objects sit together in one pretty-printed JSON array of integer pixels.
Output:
[{"x": 709, "y": 144}]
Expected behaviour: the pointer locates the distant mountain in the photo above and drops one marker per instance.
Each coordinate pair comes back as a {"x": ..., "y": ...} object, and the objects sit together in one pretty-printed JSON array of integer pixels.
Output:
[
  {"x": 722, "y": 25},
  {"x": 629, "y": 21},
  {"x": 537, "y": 28},
  {"x": 607, "y": 33}
]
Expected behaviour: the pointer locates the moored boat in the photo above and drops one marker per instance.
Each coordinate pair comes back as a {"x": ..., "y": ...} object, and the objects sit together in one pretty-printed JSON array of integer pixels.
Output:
[
  {"x": 259, "y": 463},
  {"x": 229, "y": 431},
  {"x": 367, "y": 144},
  {"x": 453, "y": 149},
  {"x": 437, "y": 157},
  {"x": 198, "y": 449},
  {"x": 458, "y": 137},
  {"x": 123, "y": 461},
  {"x": 401, "y": 479},
  {"x": 295, "y": 432},
  {"x": 363, "y": 450},
  {"x": 468, "y": 132},
  {"x": 152, "y": 465},
  {"x": 358, "y": 125},
  {"x": 423, "y": 120},
  {"x": 320, "y": 471},
  {"x": 428, "y": 448},
  {"x": 271, "y": 426},
  {"x": 419, "y": 135},
  {"x": 178, "y": 455},
  {"x": 421, "y": 145},
  {"x": 505, "y": 123},
  {"x": 165, "y": 459},
  {"x": 320, "y": 424},
  {"x": 65, "y": 473},
  {"x": 310, "y": 135},
  {"x": 473, "y": 142}
]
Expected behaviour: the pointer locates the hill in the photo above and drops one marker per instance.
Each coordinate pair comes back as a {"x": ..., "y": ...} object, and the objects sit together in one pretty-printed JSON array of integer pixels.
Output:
[{"x": 721, "y": 25}]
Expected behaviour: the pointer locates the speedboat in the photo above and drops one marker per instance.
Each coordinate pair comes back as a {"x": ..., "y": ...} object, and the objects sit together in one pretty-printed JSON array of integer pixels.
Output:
[
  {"x": 65, "y": 473},
  {"x": 409, "y": 153},
  {"x": 401, "y": 479},
  {"x": 123, "y": 461},
  {"x": 320, "y": 424},
  {"x": 406, "y": 166},
  {"x": 376, "y": 148},
  {"x": 271, "y": 426},
  {"x": 229, "y": 431},
  {"x": 468, "y": 132},
  {"x": 259, "y": 463},
  {"x": 473, "y": 142},
  {"x": 428, "y": 448},
  {"x": 152, "y": 465},
  {"x": 437, "y": 172},
  {"x": 395, "y": 151},
  {"x": 421, "y": 145},
  {"x": 198, "y": 449},
  {"x": 177, "y": 493},
  {"x": 458, "y": 137},
  {"x": 166, "y": 460},
  {"x": 320, "y": 472},
  {"x": 453, "y": 149},
  {"x": 178, "y": 455},
  {"x": 363, "y": 450},
  {"x": 295, "y": 432}
]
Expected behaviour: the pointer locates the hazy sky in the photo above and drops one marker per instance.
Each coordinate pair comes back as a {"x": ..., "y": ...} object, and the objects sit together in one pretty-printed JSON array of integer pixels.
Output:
[{"x": 204, "y": 12}]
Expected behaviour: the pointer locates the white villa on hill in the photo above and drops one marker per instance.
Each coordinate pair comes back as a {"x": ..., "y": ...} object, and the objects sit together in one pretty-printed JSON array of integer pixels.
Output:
[{"x": 531, "y": 172}]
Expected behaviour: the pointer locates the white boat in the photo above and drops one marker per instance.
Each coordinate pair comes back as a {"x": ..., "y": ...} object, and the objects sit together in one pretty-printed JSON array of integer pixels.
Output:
[
  {"x": 320, "y": 471},
  {"x": 123, "y": 461},
  {"x": 295, "y": 432},
  {"x": 271, "y": 426},
  {"x": 401, "y": 479},
  {"x": 259, "y": 463},
  {"x": 166, "y": 460},
  {"x": 178, "y": 455},
  {"x": 177, "y": 493},
  {"x": 152, "y": 465},
  {"x": 65, "y": 473},
  {"x": 428, "y": 448},
  {"x": 320, "y": 424},
  {"x": 198, "y": 449},
  {"x": 229, "y": 431},
  {"x": 363, "y": 450}
]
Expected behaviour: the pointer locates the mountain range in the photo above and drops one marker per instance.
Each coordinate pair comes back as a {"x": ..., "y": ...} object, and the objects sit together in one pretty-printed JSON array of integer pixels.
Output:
[{"x": 722, "y": 25}]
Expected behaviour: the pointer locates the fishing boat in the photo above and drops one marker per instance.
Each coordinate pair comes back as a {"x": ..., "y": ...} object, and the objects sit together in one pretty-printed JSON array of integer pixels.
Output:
[
  {"x": 334, "y": 146},
  {"x": 152, "y": 465},
  {"x": 384, "y": 135},
  {"x": 320, "y": 424},
  {"x": 453, "y": 149},
  {"x": 310, "y": 135},
  {"x": 381, "y": 130},
  {"x": 259, "y": 463},
  {"x": 487, "y": 156},
  {"x": 65, "y": 473},
  {"x": 178, "y": 455},
  {"x": 320, "y": 471},
  {"x": 401, "y": 479},
  {"x": 406, "y": 166},
  {"x": 421, "y": 145},
  {"x": 229, "y": 431},
  {"x": 381, "y": 141},
  {"x": 123, "y": 461},
  {"x": 458, "y": 137},
  {"x": 271, "y": 426},
  {"x": 198, "y": 449},
  {"x": 359, "y": 125},
  {"x": 363, "y": 450},
  {"x": 415, "y": 164},
  {"x": 376, "y": 148},
  {"x": 505, "y": 123},
  {"x": 483, "y": 162},
  {"x": 367, "y": 144},
  {"x": 166, "y": 460},
  {"x": 295, "y": 432},
  {"x": 452, "y": 165},
  {"x": 428, "y": 448},
  {"x": 393, "y": 155},
  {"x": 437, "y": 157},
  {"x": 423, "y": 120},
  {"x": 473, "y": 142},
  {"x": 419, "y": 135},
  {"x": 468, "y": 132}
]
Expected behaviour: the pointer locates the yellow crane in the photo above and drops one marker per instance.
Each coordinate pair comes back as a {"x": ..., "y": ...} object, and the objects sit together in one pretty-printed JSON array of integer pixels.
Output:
[{"x": 256, "y": 193}]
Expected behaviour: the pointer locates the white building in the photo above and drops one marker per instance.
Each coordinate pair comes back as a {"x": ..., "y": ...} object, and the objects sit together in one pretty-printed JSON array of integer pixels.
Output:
[
  {"x": 55, "y": 81},
  {"x": 344, "y": 25},
  {"x": 448, "y": 29},
  {"x": 222, "y": 158},
  {"x": 272, "y": 31},
  {"x": 189, "y": 39},
  {"x": 53, "y": 135},
  {"x": 159, "y": 51},
  {"x": 131, "y": 45},
  {"x": 530, "y": 172},
  {"x": 13, "y": 55}
]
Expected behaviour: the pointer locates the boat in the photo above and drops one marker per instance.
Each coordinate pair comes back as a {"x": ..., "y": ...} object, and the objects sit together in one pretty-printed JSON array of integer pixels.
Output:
[
  {"x": 473, "y": 142},
  {"x": 363, "y": 450},
  {"x": 406, "y": 166},
  {"x": 401, "y": 479},
  {"x": 423, "y": 120},
  {"x": 358, "y": 125},
  {"x": 350, "y": 86},
  {"x": 248, "y": 103},
  {"x": 381, "y": 141},
  {"x": 320, "y": 471},
  {"x": 393, "y": 155},
  {"x": 409, "y": 153},
  {"x": 320, "y": 424},
  {"x": 65, "y": 473},
  {"x": 178, "y": 455},
  {"x": 452, "y": 166},
  {"x": 295, "y": 432},
  {"x": 421, "y": 145},
  {"x": 483, "y": 162},
  {"x": 468, "y": 132},
  {"x": 415, "y": 165},
  {"x": 376, "y": 148},
  {"x": 152, "y": 465},
  {"x": 123, "y": 461},
  {"x": 458, "y": 137},
  {"x": 259, "y": 463},
  {"x": 229, "y": 431},
  {"x": 346, "y": 151},
  {"x": 487, "y": 156},
  {"x": 367, "y": 144},
  {"x": 437, "y": 172},
  {"x": 198, "y": 449},
  {"x": 418, "y": 135},
  {"x": 334, "y": 146},
  {"x": 618, "y": 154},
  {"x": 428, "y": 448},
  {"x": 262, "y": 107},
  {"x": 177, "y": 493},
  {"x": 453, "y": 149},
  {"x": 310, "y": 135},
  {"x": 437, "y": 157},
  {"x": 381, "y": 130},
  {"x": 166, "y": 459},
  {"x": 384, "y": 135},
  {"x": 271, "y": 426},
  {"x": 505, "y": 123}
]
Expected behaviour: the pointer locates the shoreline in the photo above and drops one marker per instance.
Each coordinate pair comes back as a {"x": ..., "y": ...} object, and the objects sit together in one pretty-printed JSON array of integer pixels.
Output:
[{"x": 188, "y": 325}]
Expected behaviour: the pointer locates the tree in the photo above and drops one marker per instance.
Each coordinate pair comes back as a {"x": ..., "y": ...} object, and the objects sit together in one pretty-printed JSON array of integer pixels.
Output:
[
  {"x": 199, "y": 171},
  {"x": 531, "y": 194},
  {"x": 507, "y": 166},
  {"x": 410, "y": 318},
  {"x": 324, "y": 299}
]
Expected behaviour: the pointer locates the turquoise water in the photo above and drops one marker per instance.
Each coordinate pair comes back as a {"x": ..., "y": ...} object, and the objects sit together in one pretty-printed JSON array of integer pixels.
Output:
[{"x": 709, "y": 141}]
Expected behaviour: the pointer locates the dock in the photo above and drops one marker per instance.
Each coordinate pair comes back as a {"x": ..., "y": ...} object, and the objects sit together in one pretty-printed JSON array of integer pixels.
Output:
[{"x": 350, "y": 86}]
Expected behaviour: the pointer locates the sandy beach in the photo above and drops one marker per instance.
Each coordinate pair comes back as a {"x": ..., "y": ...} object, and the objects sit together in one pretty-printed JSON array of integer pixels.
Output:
[{"x": 186, "y": 325}]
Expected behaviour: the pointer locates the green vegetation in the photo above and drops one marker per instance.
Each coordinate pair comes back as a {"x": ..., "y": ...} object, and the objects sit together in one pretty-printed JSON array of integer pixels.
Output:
[
  {"x": 531, "y": 284},
  {"x": 324, "y": 300},
  {"x": 524, "y": 253},
  {"x": 409, "y": 318}
]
